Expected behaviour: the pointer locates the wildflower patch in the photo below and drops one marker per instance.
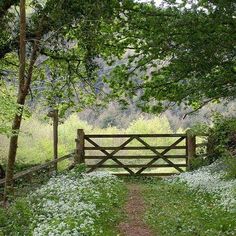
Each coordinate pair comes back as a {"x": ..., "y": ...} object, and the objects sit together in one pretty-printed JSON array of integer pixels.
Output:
[
  {"x": 211, "y": 179},
  {"x": 175, "y": 209},
  {"x": 72, "y": 204}
]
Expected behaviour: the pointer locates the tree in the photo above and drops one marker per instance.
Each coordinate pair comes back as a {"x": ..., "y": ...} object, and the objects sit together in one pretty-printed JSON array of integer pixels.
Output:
[
  {"x": 22, "y": 93},
  {"x": 180, "y": 53},
  {"x": 61, "y": 37}
]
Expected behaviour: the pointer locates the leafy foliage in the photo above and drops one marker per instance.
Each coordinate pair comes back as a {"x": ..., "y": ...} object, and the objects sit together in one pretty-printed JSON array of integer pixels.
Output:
[
  {"x": 221, "y": 141},
  {"x": 184, "y": 52},
  {"x": 71, "y": 36},
  {"x": 7, "y": 110}
]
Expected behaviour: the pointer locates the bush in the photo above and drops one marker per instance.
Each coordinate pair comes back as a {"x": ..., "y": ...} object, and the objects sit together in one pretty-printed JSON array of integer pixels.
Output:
[{"x": 221, "y": 142}]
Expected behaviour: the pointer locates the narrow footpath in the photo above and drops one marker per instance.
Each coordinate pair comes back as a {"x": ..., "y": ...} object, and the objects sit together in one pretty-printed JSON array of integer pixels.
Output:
[{"x": 134, "y": 208}]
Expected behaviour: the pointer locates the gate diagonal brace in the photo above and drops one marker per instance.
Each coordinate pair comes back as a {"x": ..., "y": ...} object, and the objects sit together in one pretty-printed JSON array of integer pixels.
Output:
[
  {"x": 159, "y": 155},
  {"x": 111, "y": 155}
]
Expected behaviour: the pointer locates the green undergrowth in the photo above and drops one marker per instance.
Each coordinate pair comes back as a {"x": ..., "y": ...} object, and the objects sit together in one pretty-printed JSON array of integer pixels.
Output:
[
  {"x": 69, "y": 204},
  {"x": 174, "y": 209},
  {"x": 27, "y": 184}
]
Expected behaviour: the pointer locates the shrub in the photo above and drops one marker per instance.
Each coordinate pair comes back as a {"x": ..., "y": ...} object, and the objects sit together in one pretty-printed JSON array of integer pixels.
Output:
[
  {"x": 221, "y": 142},
  {"x": 222, "y": 137}
]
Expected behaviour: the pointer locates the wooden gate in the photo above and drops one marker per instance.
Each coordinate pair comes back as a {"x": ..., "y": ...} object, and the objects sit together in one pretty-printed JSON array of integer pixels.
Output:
[{"x": 172, "y": 157}]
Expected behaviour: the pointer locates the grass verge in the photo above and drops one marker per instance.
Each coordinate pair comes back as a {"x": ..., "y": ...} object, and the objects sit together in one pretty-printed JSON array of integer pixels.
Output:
[{"x": 174, "y": 209}]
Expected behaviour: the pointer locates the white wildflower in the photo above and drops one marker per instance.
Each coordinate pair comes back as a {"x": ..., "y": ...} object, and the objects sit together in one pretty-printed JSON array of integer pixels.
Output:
[{"x": 210, "y": 179}]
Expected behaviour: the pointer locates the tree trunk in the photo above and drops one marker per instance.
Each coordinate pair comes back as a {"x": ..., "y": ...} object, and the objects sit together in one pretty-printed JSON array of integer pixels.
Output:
[
  {"x": 24, "y": 85},
  {"x": 13, "y": 148},
  {"x": 22, "y": 93}
]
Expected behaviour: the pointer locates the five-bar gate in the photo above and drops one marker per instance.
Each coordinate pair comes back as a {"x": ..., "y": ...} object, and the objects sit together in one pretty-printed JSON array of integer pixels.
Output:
[{"x": 136, "y": 154}]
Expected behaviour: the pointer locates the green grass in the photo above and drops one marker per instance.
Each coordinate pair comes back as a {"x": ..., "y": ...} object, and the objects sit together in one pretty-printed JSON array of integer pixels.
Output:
[{"x": 175, "y": 210}]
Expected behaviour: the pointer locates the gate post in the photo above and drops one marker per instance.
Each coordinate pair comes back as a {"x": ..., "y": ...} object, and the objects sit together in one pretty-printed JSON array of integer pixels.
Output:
[
  {"x": 191, "y": 148},
  {"x": 79, "y": 154}
]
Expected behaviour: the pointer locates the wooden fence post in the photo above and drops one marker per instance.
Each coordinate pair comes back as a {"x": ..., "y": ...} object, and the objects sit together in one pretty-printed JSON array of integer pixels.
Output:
[
  {"x": 55, "y": 138},
  {"x": 79, "y": 155},
  {"x": 191, "y": 148},
  {"x": 54, "y": 115}
]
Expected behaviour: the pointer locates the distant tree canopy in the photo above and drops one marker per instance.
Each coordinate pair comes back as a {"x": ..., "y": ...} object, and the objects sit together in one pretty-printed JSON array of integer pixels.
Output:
[{"x": 181, "y": 52}]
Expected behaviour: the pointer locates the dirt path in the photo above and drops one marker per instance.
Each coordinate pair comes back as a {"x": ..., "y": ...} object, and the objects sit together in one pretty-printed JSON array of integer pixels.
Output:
[{"x": 135, "y": 210}]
